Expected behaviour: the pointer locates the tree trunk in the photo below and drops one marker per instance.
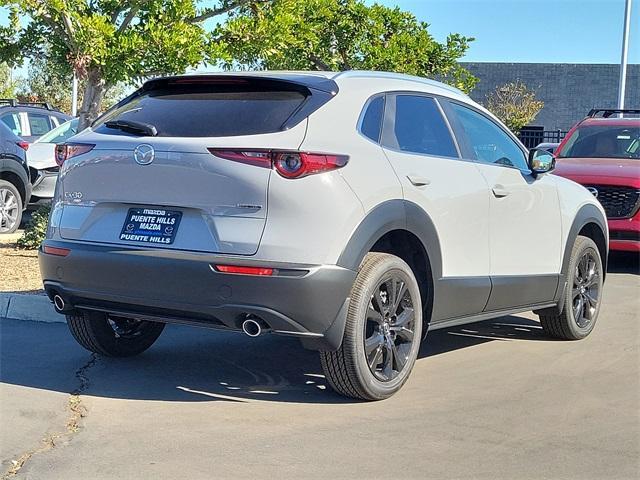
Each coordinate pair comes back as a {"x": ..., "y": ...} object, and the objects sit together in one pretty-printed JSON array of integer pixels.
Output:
[{"x": 94, "y": 91}]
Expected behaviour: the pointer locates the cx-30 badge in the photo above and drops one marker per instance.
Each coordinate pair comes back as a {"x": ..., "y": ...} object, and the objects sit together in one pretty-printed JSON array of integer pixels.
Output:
[{"x": 144, "y": 154}]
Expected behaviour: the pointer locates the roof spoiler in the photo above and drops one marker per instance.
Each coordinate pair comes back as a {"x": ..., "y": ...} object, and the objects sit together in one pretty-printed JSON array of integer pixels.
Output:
[{"x": 607, "y": 112}]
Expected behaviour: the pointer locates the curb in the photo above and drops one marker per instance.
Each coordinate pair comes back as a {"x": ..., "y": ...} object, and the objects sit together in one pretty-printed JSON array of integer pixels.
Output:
[{"x": 33, "y": 308}]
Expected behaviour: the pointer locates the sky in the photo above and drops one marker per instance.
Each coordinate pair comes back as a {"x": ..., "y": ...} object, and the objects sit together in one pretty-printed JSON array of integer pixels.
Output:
[{"x": 547, "y": 31}]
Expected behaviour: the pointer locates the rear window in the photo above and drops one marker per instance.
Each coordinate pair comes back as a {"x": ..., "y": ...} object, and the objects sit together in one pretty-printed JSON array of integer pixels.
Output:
[
  {"x": 209, "y": 110},
  {"x": 602, "y": 141},
  {"x": 420, "y": 128}
]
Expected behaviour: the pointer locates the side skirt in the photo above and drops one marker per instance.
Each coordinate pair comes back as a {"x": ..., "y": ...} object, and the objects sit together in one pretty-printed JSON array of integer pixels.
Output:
[{"x": 486, "y": 316}]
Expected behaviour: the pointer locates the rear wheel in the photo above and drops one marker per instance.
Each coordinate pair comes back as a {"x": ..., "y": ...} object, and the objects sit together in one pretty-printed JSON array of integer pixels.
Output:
[
  {"x": 10, "y": 207},
  {"x": 582, "y": 296},
  {"x": 382, "y": 331},
  {"x": 113, "y": 336}
]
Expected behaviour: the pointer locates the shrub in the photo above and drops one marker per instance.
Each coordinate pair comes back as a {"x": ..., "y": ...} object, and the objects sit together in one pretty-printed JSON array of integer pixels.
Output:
[
  {"x": 514, "y": 104},
  {"x": 36, "y": 229}
]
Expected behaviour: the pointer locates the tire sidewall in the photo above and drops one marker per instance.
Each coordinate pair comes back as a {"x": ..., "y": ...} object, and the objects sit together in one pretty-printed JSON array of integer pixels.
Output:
[
  {"x": 10, "y": 186},
  {"x": 583, "y": 245},
  {"x": 374, "y": 387}
]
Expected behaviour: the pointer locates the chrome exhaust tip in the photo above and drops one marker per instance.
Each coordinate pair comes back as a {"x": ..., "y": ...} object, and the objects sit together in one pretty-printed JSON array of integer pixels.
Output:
[
  {"x": 253, "y": 327},
  {"x": 59, "y": 303}
]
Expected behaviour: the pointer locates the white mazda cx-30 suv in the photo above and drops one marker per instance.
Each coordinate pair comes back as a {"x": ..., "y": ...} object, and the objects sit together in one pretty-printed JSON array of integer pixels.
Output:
[{"x": 353, "y": 210}]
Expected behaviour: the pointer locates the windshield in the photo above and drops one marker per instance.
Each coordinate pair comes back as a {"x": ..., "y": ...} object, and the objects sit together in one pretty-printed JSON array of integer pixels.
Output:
[
  {"x": 61, "y": 133},
  {"x": 603, "y": 141}
]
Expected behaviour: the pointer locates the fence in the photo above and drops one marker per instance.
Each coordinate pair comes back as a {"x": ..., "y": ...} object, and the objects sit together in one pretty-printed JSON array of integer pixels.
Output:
[{"x": 532, "y": 136}]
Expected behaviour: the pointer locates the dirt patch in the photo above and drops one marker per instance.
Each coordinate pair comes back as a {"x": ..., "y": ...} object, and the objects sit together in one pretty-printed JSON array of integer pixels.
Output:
[{"x": 19, "y": 270}]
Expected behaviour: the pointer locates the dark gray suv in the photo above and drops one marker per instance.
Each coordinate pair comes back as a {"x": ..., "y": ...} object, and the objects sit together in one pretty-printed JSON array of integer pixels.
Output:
[{"x": 15, "y": 188}]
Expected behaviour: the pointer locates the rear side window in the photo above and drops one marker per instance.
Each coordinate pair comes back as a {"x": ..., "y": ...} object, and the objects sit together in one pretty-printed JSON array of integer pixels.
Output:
[
  {"x": 209, "y": 110},
  {"x": 420, "y": 128},
  {"x": 371, "y": 126},
  {"x": 12, "y": 121},
  {"x": 38, "y": 124}
]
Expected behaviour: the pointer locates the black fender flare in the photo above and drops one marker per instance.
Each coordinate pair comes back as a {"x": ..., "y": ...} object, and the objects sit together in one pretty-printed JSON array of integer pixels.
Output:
[
  {"x": 386, "y": 217},
  {"x": 14, "y": 166}
]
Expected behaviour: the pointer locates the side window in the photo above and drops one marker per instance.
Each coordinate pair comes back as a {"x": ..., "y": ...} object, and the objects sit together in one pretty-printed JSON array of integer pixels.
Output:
[
  {"x": 12, "y": 121},
  {"x": 489, "y": 142},
  {"x": 371, "y": 125},
  {"x": 420, "y": 128},
  {"x": 39, "y": 124}
]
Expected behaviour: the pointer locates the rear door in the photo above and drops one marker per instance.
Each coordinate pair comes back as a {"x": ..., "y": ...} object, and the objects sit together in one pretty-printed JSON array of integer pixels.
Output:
[
  {"x": 524, "y": 221},
  {"x": 131, "y": 180},
  {"x": 420, "y": 146}
]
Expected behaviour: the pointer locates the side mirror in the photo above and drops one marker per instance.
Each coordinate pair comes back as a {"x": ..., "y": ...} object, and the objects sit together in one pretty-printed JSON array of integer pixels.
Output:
[{"x": 541, "y": 161}]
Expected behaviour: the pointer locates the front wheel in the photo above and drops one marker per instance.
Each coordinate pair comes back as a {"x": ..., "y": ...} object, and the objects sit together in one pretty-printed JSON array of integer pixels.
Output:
[
  {"x": 382, "y": 332},
  {"x": 113, "y": 336},
  {"x": 582, "y": 296}
]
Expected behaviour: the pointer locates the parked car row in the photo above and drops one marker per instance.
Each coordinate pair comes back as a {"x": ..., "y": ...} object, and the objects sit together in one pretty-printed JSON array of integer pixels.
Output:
[{"x": 29, "y": 133}]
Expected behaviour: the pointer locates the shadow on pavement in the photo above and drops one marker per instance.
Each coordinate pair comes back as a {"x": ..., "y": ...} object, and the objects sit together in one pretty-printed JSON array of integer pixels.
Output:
[{"x": 192, "y": 364}]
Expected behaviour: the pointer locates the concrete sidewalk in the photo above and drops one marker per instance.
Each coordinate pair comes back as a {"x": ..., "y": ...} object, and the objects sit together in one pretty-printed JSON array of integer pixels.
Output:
[{"x": 35, "y": 308}]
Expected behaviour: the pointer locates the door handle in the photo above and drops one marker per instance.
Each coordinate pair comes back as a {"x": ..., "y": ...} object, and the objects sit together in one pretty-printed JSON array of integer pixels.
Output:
[
  {"x": 418, "y": 181},
  {"x": 499, "y": 191}
]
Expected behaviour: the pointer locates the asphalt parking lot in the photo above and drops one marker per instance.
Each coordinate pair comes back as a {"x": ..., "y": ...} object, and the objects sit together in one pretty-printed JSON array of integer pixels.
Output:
[{"x": 495, "y": 400}]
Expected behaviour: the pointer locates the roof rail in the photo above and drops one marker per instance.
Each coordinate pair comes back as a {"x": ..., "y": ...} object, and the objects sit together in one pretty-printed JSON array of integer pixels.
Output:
[
  {"x": 12, "y": 102},
  {"x": 607, "y": 112}
]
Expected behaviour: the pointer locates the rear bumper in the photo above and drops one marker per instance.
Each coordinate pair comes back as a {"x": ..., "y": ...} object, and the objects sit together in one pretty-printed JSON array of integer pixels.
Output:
[{"x": 307, "y": 301}]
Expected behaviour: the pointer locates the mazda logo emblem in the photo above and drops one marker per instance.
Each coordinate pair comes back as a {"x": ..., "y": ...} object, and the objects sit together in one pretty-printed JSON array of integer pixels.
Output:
[
  {"x": 144, "y": 154},
  {"x": 594, "y": 191}
]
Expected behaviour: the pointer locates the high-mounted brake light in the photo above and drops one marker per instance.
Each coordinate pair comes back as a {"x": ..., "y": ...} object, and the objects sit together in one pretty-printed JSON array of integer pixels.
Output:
[
  {"x": 289, "y": 164},
  {"x": 244, "y": 270},
  {"x": 65, "y": 151},
  {"x": 23, "y": 145}
]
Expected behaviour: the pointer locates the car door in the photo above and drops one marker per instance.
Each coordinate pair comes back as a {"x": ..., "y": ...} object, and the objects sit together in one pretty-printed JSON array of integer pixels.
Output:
[
  {"x": 524, "y": 215},
  {"x": 419, "y": 144}
]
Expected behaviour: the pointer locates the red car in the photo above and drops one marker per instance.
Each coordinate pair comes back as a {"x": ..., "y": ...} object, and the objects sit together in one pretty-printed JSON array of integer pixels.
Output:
[{"x": 602, "y": 152}]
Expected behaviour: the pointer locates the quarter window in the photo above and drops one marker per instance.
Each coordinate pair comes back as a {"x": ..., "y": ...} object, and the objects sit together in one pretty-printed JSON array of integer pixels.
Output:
[
  {"x": 489, "y": 142},
  {"x": 420, "y": 128},
  {"x": 372, "y": 119}
]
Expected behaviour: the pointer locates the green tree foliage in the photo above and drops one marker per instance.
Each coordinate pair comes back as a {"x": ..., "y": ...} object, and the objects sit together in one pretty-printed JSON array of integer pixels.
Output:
[
  {"x": 339, "y": 35},
  {"x": 110, "y": 41},
  {"x": 515, "y": 104},
  {"x": 7, "y": 84},
  {"x": 48, "y": 83}
]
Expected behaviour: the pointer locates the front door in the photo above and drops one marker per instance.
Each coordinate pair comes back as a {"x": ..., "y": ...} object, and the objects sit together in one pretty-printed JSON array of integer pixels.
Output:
[{"x": 524, "y": 221}]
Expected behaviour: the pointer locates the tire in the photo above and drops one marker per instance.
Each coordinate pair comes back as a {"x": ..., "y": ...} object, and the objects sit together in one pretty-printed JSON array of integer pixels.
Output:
[
  {"x": 582, "y": 297},
  {"x": 10, "y": 207},
  {"x": 113, "y": 336},
  {"x": 393, "y": 348}
]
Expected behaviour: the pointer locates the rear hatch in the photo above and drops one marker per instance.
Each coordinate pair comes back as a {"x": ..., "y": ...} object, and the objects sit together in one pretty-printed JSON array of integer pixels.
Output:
[{"x": 150, "y": 179}]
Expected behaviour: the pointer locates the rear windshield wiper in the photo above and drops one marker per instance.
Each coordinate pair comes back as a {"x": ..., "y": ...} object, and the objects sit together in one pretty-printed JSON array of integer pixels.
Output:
[{"x": 132, "y": 126}]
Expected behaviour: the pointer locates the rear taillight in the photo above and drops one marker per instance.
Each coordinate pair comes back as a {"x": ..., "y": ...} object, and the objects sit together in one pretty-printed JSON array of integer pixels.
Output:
[
  {"x": 65, "y": 151},
  {"x": 23, "y": 145},
  {"x": 289, "y": 164}
]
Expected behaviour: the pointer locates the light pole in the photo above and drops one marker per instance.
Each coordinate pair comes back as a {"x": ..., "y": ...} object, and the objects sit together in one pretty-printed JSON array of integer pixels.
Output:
[
  {"x": 74, "y": 95},
  {"x": 625, "y": 48}
]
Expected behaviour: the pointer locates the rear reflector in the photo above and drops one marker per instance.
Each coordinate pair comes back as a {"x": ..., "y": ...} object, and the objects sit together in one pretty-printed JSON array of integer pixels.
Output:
[
  {"x": 289, "y": 164},
  {"x": 243, "y": 270},
  {"x": 60, "y": 252}
]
